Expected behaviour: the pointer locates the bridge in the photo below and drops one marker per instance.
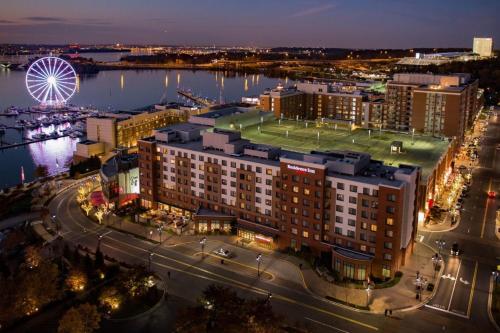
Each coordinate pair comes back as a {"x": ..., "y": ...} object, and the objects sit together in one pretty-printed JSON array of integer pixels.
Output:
[
  {"x": 198, "y": 100},
  {"x": 8, "y": 65}
]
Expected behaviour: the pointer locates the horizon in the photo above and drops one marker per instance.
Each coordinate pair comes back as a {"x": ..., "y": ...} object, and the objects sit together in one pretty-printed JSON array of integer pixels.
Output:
[{"x": 358, "y": 24}]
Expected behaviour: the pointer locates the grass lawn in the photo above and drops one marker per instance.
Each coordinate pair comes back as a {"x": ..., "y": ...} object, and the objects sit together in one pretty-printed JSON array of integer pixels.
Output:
[{"x": 423, "y": 151}]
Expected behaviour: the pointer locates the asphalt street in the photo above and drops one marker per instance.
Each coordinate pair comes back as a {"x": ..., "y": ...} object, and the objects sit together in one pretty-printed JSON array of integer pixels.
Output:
[{"x": 464, "y": 285}]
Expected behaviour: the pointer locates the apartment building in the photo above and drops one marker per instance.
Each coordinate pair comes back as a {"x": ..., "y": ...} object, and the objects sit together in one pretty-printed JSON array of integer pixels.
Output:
[
  {"x": 342, "y": 204},
  {"x": 437, "y": 105},
  {"x": 311, "y": 101}
]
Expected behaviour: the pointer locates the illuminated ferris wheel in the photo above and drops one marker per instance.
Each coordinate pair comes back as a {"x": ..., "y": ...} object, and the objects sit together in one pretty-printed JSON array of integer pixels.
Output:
[{"x": 51, "y": 81}]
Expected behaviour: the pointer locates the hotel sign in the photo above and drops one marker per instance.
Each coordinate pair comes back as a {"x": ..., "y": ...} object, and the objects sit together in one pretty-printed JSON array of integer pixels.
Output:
[{"x": 300, "y": 169}]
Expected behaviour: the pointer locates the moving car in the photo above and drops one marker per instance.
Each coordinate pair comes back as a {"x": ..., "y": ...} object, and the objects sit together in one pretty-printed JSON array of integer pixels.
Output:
[
  {"x": 492, "y": 194},
  {"x": 222, "y": 253},
  {"x": 455, "y": 251}
]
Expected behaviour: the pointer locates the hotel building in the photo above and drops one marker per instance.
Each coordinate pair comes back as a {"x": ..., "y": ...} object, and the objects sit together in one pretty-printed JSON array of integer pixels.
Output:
[
  {"x": 340, "y": 204},
  {"x": 113, "y": 130}
]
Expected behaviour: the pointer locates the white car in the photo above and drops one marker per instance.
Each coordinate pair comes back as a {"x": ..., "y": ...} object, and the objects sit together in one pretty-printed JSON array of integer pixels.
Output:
[{"x": 222, "y": 253}]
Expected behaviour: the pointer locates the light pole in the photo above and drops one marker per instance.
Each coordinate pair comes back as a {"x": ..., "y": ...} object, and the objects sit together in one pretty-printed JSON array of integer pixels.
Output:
[
  {"x": 202, "y": 243},
  {"x": 259, "y": 258},
  {"x": 150, "y": 258},
  {"x": 440, "y": 244},
  {"x": 436, "y": 260},
  {"x": 160, "y": 229},
  {"x": 99, "y": 238}
]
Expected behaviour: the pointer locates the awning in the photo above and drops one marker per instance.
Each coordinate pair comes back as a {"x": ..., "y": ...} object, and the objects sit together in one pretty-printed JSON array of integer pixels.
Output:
[
  {"x": 257, "y": 228},
  {"x": 351, "y": 254}
]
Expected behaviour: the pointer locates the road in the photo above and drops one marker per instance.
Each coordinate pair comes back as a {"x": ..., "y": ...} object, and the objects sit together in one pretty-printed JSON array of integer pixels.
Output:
[
  {"x": 190, "y": 274},
  {"x": 464, "y": 285}
]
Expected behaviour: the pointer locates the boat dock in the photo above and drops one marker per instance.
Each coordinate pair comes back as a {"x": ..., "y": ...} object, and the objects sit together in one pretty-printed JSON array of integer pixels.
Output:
[
  {"x": 30, "y": 141},
  {"x": 198, "y": 100}
]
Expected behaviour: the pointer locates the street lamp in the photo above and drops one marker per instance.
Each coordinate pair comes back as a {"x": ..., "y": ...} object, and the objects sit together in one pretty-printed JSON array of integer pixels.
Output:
[
  {"x": 150, "y": 234},
  {"x": 436, "y": 260},
  {"x": 440, "y": 244},
  {"x": 160, "y": 229},
  {"x": 259, "y": 258},
  {"x": 150, "y": 258},
  {"x": 202, "y": 243}
]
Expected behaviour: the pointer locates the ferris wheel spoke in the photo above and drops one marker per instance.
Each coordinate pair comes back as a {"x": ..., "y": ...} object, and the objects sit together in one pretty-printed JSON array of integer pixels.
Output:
[
  {"x": 46, "y": 70},
  {"x": 40, "y": 73},
  {"x": 38, "y": 94},
  {"x": 67, "y": 74},
  {"x": 39, "y": 69},
  {"x": 36, "y": 85},
  {"x": 57, "y": 70},
  {"x": 35, "y": 91},
  {"x": 64, "y": 89},
  {"x": 37, "y": 75}
]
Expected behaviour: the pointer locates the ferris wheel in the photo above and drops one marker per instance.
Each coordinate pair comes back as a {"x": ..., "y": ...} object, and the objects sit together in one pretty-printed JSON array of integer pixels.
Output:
[{"x": 51, "y": 81}]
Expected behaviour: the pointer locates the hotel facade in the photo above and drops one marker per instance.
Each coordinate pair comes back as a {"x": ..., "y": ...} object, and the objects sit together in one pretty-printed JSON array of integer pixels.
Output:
[{"x": 340, "y": 204}]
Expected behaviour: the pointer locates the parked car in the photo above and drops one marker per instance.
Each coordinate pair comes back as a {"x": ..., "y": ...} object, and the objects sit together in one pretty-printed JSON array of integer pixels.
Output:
[
  {"x": 223, "y": 253},
  {"x": 455, "y": 251}
]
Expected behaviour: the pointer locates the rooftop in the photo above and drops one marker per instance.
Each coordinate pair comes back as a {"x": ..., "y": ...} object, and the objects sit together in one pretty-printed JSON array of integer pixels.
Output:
[{"x": 424, "y": 151}]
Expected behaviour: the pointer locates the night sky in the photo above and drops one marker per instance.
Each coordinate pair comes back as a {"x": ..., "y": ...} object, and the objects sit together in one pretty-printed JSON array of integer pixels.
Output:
[{"x": 325, "y": 23}]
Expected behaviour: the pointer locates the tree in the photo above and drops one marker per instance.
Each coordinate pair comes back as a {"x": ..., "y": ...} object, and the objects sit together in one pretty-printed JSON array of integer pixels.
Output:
[
  {"x": 35, "y": 288},
  {"x": 82, "y": 319},
  {"x": 110, "y": 298},
  {"x": 32, "y": 256},
  {"x": 76, "y": 280},
  {"x": 222, "y": 310},
  {"x": 135, "y": 281}
]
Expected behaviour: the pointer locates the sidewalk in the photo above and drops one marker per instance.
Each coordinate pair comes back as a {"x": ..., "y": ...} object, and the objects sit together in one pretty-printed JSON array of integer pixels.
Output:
[
  {"x": 442, "y": 225},
  {"x": 400, "y": 296}
]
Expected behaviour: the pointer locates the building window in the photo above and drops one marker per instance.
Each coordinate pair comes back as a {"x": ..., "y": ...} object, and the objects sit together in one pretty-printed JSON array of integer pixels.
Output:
[
  {"x": 337, "y": 265},
  {"x": 388, "y": 245},
  {"x": 389, "y": 221},
  {"x": 348, "y": 271},
  {"x": 362, "y": 248},
  {"x": 352, "y": 211},
  {"x": 338, "y": 219},
  {"x": 390, "y": 209},
  {"x": 353, "y": 188},
  {"x": 361, "y": 272},
  {"x": 373, "y": 227},
  {"x": 350, "y": 233},
  {"x": 387, "y": 256},
  {"x": 365, "y": 203},
  {"x": 338, "y": 231},
  {"x": 305, "y": 234},
  {"x": 352, "y": 200},
  {"x": 391, "y": 197},
  {"x": 386, "y": 271},
  {"x": 389, "y": 233},
  {"x": 339, "y": 208},
  {"x": 351, "y": 222},
  {"x": 295, "y": 189},
  {"x": 294, "y": 231},
  {"x": 340, "y": 186},
  {"x": 340, "y": 197}
]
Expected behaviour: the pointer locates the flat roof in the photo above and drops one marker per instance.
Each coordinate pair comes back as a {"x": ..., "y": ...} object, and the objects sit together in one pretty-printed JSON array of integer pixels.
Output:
[{"x": 424, "y": 151}]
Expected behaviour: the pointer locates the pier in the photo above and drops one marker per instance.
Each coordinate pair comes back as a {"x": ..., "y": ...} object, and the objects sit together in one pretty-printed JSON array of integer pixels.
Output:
[
  {"x": 30, "y": 141},
  {"x": 198, "y": 100}
]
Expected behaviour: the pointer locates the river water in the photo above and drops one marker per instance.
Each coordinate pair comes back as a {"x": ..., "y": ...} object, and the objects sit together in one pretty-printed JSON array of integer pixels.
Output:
[{"x": 110, "y": 90}]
